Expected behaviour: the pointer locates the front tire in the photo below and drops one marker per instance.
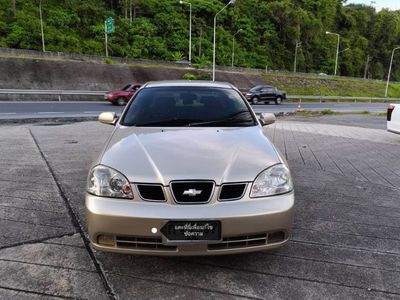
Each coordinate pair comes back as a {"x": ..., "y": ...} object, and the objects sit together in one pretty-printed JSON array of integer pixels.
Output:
[
  {"x": 255, "y": 100},
  {"x": 121, "y": 101},
  {"x": 278, "y": 101}
]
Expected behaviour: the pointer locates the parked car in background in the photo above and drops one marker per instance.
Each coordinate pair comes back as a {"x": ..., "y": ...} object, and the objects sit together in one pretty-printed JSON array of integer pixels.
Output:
[
  {"x": 121, "y": 97},
  {"x": 188, "y": 170},
  {"x": 265, "y": 93},
  {"x": 393, "y": 118}
]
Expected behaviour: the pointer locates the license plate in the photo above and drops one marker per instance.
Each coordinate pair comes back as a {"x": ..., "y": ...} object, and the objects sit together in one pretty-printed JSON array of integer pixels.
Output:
[{"x": 192, "y": 230}]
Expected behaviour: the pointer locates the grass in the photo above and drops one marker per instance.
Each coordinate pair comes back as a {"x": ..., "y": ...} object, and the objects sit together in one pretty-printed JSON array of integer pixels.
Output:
[
  {"x": 316, "y": 86},
  {"x": 325, "y": 112}
]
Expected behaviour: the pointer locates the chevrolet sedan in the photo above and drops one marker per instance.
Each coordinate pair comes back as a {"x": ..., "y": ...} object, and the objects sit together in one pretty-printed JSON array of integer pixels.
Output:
[{"x": 188, "y": 170}]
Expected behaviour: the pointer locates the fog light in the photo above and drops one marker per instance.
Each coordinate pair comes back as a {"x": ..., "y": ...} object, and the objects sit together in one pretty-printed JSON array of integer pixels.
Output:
[{"x": 106, "y": 240}]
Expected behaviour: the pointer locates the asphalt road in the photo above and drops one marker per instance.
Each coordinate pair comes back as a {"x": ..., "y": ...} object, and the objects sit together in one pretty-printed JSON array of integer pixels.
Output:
[{"x": 23, "y": 110}]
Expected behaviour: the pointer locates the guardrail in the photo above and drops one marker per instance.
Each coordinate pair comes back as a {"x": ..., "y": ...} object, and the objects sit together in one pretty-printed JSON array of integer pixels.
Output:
[
  {"x": 341, "y": 98},
  {"x": 59, "y": 93}
]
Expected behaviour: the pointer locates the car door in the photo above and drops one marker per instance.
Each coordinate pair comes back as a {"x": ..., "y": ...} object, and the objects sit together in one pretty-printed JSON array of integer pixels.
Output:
[
  {"x": 269, "y": 93},
  {"x": 264, "y": 93}
]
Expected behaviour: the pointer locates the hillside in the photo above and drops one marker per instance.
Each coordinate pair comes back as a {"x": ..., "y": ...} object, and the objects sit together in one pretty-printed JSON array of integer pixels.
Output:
[{"x": 159, "y": 30}]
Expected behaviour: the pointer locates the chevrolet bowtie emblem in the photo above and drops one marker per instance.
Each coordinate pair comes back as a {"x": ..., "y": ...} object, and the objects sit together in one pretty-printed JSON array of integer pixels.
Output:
[{"x": 191, "y": 192}]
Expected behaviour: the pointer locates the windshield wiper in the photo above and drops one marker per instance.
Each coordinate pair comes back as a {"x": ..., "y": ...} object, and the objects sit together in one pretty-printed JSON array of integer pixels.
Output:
[
  {"x": 233, "y": 119},
  {"x": 170, "y": 122}
]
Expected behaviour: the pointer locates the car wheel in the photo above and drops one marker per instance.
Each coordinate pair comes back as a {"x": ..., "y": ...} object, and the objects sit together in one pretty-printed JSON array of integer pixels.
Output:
[
  {"x": 278, "y": 101},
  {"x": 255, "y": 100},
  {"x": 121, "y": 101}
]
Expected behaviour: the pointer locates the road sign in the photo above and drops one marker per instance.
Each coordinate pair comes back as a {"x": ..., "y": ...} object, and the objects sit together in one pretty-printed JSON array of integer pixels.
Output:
[{"x": 109, "y": 25}]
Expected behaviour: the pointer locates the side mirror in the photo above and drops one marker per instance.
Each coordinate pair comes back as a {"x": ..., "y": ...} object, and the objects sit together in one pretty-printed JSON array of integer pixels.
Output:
[
  {"x": 267, "y": 119},
  {"x": 108, "y": 118}
]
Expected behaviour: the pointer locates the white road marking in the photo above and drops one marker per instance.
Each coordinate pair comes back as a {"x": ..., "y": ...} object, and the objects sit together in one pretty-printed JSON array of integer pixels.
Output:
[
  {"x": 92, "y": 112},
  {"x": 50, "y": 112}
]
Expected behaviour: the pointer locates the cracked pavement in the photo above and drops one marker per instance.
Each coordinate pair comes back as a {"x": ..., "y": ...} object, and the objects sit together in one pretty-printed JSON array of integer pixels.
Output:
[{"x": 345, "y": 242}]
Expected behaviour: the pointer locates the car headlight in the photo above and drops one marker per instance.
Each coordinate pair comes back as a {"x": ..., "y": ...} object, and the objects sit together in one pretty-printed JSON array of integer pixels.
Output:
[
  {"x": 106, "y": 182},
  {"x": 273, "y": 181}
]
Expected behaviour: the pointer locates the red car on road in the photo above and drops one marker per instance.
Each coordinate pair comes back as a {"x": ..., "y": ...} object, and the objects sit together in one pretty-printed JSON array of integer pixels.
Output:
[{"x": 121, "y": 97}]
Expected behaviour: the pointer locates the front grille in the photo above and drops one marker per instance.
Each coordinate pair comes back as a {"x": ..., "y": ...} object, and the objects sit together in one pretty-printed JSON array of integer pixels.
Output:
[
  {"x": 240, "y": 242},
  {"x": 151, "y": 192},
  {"x": 192, "y": 191},
  {"x": 143, "y": 243},
  {"x": 247, "y": 241},
  {"x": 232, "y": 191}
]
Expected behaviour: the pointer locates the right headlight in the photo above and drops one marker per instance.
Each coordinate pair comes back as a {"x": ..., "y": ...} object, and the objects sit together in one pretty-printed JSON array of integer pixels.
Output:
[
  {"x": 273, "y": 181},
  {"x": 107, "y": 182}
]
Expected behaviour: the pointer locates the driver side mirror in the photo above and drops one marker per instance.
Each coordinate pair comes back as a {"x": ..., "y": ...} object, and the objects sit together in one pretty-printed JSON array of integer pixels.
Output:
[
  {"x": 267, "y": 119},
  {"x": 108, "y": 118}
]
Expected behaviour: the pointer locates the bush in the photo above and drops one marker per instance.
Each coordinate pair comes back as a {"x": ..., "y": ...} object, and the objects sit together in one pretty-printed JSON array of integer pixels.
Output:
[
  {"x": 108, "y": 61},
  {"x": 201, "y": 76}
]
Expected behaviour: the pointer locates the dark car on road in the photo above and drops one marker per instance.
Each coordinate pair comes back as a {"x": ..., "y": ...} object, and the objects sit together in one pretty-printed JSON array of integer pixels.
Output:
[
  {"x": 265, "y": 93},
  {"x": 121, "y": 97}
]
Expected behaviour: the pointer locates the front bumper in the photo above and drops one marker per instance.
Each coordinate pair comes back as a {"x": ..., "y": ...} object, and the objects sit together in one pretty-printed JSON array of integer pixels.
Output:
[{"x": 246, "y": 225}]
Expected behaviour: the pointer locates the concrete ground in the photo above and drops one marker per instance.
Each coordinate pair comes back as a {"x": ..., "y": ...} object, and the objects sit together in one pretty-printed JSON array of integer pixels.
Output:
[{"x": 345, "y": 242}]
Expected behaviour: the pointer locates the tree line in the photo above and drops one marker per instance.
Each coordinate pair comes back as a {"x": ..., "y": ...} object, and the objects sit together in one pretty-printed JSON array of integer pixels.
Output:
[{"x": 154, "y": 29}]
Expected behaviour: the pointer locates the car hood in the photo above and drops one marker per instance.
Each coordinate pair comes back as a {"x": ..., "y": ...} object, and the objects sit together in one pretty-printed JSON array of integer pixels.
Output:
[{"x": 151, "y": 155}]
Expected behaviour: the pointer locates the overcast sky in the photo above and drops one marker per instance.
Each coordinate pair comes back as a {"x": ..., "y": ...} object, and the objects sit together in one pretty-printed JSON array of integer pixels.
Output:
[{"x": 379, "y": 4}]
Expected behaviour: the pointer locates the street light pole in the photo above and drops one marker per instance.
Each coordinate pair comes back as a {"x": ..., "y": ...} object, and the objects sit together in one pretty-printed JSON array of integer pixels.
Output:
[
  {"x": 390, "y": 70},
  {"x": 337, "y": 49},
  {"x": 190, "y": 29},
  {"x": 215, "y": 26},
  {"x": 233, "y": 45},
  {"x": 41, "y": 25},
  {"x": 298, "y": 44}
]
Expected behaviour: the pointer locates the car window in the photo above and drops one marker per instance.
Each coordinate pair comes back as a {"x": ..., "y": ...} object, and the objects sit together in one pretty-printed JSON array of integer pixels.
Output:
[
  {"x": 127, "y": 87},
  {"x": 188, "y": 106},
  {"x": 255, "y": 89}
]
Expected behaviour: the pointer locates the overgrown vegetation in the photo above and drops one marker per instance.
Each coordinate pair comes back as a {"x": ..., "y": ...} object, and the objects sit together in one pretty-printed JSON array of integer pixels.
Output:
[{"x": 159, "y": 30}]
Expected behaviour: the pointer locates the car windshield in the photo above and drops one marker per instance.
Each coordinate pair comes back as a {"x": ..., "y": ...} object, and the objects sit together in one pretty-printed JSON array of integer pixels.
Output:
[{"x": 188, "y": 106}]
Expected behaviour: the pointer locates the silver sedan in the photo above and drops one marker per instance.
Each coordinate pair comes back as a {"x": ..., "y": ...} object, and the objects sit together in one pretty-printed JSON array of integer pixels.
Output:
[{"x": 189, "y": 171}]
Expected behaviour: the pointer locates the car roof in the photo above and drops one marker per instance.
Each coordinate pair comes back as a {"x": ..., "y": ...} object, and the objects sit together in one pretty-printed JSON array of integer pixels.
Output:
[{"x": 189, "y": 83}]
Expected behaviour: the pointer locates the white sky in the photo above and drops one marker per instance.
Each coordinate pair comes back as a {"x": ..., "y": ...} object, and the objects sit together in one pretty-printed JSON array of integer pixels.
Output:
[{"x": 379, "y": 4}]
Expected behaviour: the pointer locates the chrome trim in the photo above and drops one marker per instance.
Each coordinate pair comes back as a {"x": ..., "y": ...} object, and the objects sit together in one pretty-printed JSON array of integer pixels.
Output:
[
  {"x": 150, "y": 184},
  {"x": 194, "y": 181},
  {"x": 234, "y": 183}
]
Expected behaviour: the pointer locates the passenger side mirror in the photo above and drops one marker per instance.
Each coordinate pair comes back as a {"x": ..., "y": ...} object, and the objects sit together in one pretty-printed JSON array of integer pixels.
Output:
[
  {"x": 267, "y": 119},
  {"x": 108, "y": 118}
]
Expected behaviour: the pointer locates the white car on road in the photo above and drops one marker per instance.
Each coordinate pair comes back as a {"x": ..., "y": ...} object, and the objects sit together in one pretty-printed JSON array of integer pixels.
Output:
[{"x": 393, "y": 118}]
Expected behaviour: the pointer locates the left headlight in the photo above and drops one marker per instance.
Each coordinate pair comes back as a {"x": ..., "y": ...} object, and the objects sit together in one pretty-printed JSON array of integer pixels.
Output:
[
  {"x": 107, "y": 182},
  {"x": 273, "y": 181}
]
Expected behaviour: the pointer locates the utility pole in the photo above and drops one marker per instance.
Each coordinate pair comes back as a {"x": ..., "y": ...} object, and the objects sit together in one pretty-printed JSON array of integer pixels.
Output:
[
  {"x": 130, "y": 12},
  {"x": 390, "y": 70},
  {"x": 14, "y": 6},
  {"x": 366, "y": 67},
  {"x": 41, "y": 26},
  {"x": 298, "y": 44}
]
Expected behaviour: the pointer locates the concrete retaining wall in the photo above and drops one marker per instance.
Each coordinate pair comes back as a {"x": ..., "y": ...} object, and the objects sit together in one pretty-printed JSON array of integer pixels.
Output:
[{"x": 27, "y": 73}]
